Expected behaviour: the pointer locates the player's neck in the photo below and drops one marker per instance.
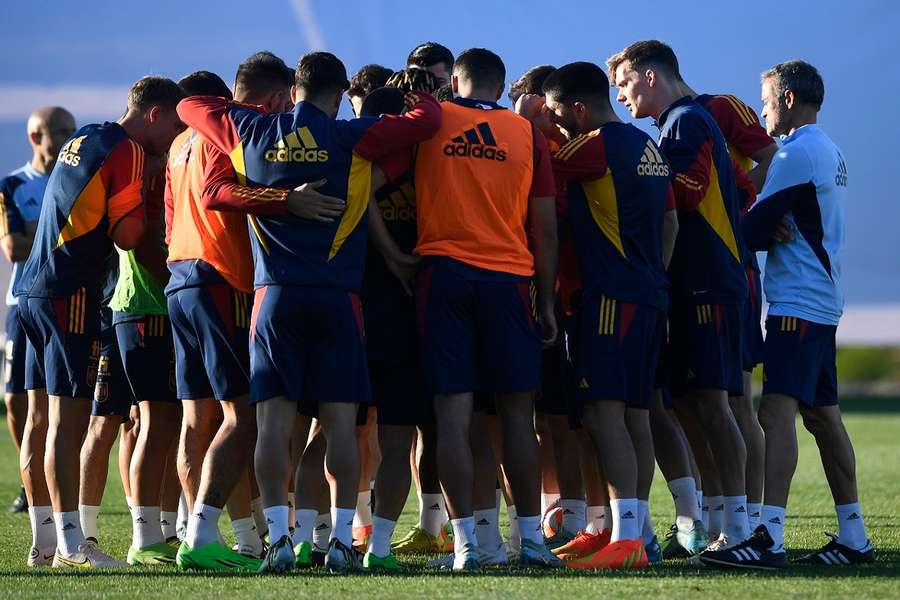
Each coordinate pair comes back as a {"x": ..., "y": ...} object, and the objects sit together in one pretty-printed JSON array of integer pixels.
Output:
[
  {"x": 666, "y": 97},
  {"x": 480, "y": 95},
  {"x": 600, "y": 119},
  {"x": 134, "y": 125},
  {"x": 804, "y": 117},
  {"x": 41, "y": 164}
]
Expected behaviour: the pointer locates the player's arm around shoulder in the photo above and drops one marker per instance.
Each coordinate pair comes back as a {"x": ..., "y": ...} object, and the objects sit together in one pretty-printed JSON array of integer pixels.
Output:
[
  {"x": 14, "y": 239},
  {"x": 392, "y": 133},
  {"x": 215, "y": 118}
]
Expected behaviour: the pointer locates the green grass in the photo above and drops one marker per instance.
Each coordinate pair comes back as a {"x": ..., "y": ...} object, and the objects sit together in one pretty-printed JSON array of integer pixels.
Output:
[{"x": 874, "y": 427}]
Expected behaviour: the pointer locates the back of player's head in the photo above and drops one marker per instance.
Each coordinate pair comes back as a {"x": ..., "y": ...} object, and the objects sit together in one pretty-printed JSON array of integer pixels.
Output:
[
  {"x": 383, "y": 101},
  {"x": 368, "y": 78},
  {"x": 530, "y": 82},
  {"x": 321, "y": 73},
  {"x": 646, "y": 54},
  {"x": 151, "y": 91},
  {"x": 578, "y": 82},
  {"x": 799, "y": 77},
  {"x": 262, "y": 73},
  {"x": 429, "y": 54},
  {"x": 480, "y": 66},
  {"x": 204, "y": 83}
]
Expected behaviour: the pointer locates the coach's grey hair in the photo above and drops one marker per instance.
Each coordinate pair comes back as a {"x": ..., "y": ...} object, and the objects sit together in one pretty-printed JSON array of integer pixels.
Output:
[{"x": 801, "y": 78}]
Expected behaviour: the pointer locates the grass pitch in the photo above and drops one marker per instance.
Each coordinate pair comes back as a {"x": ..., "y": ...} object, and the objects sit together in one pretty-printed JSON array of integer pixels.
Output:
[{"x": 874, "y": 427}]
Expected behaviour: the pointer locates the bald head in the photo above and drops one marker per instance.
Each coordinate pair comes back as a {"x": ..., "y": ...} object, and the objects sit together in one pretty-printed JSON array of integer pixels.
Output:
[{"x": 48, "y": 129}]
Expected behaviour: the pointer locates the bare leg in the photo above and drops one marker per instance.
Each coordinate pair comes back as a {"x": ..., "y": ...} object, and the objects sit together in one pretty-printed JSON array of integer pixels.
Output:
[{"x": 31, "y": 455}]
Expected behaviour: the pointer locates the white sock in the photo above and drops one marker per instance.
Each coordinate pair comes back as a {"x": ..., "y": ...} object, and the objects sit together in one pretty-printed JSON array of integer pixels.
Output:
[
  {"x": 754, "y": 515},
  {"x": 43, "y": 530},
  {"x": 363, "y": 515},
  {"x": 130, "y": 502},
  {"x": 626, "y": 524},
  {"x": 304, "y": 524},
  {"x": 607, "y": 517},
  {"x": 146, "y": 530},
  {"x": 380, "y": 542},
  {"x": 168, "y": 523},
  {"x": 704, "y": 513},
  {"x": 277, "y": 520},
  {"x": 68, "y": 532},
  {"x": 342, "y": 525},
  {"x": 487, "y": 529},
  {"x": 699, "y": 495},
  {"x": 647, "y": 532},
  {"x": 736, "y": 524},
  {"x": 182, "y": 519},
  {"x": 431, "y": 513},
  {"x": 515, "y": 537},
  {"x": 574, "y": 514},
  {"x": 463, "y": 533},
  {"x": 88, "y": 516},
  {"x": 852, "y": 532},
  {"x": 773, "y": 518},
  {"x": 596, "y": 519},
  {"x": 248, "y": 539},
  {"x": 203, "y": 526},
  {"x": 548, "y": 500},
  {"x": 292, "y": 516},
  {"x": 256, "y": 509},
  {"x": 322, "y": 531},
  {"x": 530, "y": 529},
  {"x": 684, "y": 493},
  {"x": 716, "y": 517}
]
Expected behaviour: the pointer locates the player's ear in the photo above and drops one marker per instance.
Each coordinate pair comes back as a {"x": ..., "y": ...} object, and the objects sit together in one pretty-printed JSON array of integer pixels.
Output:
[
  {"x": 294, "y": 94},
  {"x": 152, "y": 115},
  {"x": 650, "y": 76},
  {"x": 500, "y": 91},
  {"x": 454, "y": 84},
  {"x": 789, "y": 98},
  {"x": 35, "y": 137}
]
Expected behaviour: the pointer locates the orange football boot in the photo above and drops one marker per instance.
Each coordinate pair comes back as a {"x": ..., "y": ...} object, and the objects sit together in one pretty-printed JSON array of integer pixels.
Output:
[
  {"x": 624, "y": 554},
  {"x": 584, "y": 543}
]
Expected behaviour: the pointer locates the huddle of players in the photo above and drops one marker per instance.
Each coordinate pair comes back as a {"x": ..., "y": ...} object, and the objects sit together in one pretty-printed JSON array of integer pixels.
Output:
[{"x": 465, "y": 202}]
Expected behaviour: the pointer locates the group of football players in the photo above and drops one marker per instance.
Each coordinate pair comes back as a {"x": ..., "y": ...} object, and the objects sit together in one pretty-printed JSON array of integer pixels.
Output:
[{"x": 294, "y": 316}]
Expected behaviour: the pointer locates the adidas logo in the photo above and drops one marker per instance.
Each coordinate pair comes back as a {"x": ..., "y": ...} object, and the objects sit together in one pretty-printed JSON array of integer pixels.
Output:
[
  {"x": 163, "y": 522},
  {"x": 627, "y": 515},
  {"x": 483, "y": 522},
  {"x": 740, "y": 509},
  {"x": 477, "y": 142},
  {"x": 200, "y": 516},
  {"x": 775, "y": 520},
  {"x": 705, "y": 509},
  {"x": 755, "y": 515},
  {"x": 853, "y": 517},
  {"x": 652, "y": 163},
  {"x": 47, "y": 521},
  {"x": 583, "y": 384},
  {"x": 322, "y": 527},
  {"x": 566, "y": 511},
  {"x": 297, "y": 146},
  {"x": 434, "y": 506},
  {"x": 840, "y": 179},
  {"x": 720, "y": 507},
  {"x": 140, "y": 521},
  {"x": 269, "y": 521},
  {"x": 68, "y": 527}
]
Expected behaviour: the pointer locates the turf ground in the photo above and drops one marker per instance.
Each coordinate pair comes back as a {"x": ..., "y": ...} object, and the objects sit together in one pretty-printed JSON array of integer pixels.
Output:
[{"x": 874, "y": 427}]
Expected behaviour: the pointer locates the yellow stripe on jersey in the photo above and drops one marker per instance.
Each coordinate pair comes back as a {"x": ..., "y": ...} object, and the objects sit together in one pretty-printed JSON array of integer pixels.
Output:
[{"x": 359, "y": 188}]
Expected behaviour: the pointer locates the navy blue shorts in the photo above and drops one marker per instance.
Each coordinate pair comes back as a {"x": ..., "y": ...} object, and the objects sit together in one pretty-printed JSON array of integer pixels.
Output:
[
  {"x": 308, "y": 345},
  {"x": 800, "y": 361},
  {"x": 706, "y": 348},
  {"x": 112, "y": 395},
  {"x": 64, "y": 334},
  {"x": 148, "y": 356},
  {"x": 753, "y": 336},
  {"x": 477, "y": 330},
  {"x": 14, "y": 355},
  {"x": 556, "y": 394},
  {"x": 619, "y": 345},
  {"x": 210, "y": 331}
]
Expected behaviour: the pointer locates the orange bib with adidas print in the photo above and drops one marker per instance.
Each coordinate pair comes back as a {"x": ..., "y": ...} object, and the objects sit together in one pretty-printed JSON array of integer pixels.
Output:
[{"x": 473, "y": 180}]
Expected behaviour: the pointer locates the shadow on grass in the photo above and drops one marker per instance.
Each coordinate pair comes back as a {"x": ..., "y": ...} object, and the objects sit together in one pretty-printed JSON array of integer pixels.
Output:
[{"x": 886, "y": 565}]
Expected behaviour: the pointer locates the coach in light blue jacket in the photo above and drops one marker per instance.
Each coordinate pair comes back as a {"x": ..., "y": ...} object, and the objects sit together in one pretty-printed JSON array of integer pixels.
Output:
[{"x": 805, "y": 193}]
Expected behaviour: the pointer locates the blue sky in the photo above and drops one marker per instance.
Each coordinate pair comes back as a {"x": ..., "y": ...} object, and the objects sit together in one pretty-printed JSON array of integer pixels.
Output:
[{"x": 89, "y": 51}]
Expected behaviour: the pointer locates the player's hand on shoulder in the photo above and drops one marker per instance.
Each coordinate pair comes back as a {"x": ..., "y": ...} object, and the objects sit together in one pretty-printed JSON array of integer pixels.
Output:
[
  {"x": 307, "y": 203},
  {"x": 414, "y": 79},
  {"x": 530, "y": 106}
]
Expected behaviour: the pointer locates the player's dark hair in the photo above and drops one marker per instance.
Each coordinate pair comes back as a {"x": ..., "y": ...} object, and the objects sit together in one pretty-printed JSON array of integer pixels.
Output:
[
  {"x": 321, "y": 73},
  {"x": 263, "y": 72},
  {"x": 154, "y": 91},
  {"x": 578, "y": 82},
  {"x": 531, "y": 81},
  {"x": 383, "y": 101},
  {"x": 368, "y": 78},
  {"x": 481, "y": 66},
  {"x": 204, "y": 83},
  {"x": 429, "y": 54},
  {"x": 644, "y": 54},
  {"x": 801, "y": 78}
]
